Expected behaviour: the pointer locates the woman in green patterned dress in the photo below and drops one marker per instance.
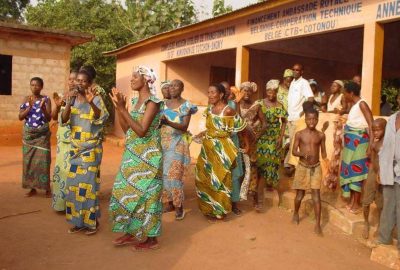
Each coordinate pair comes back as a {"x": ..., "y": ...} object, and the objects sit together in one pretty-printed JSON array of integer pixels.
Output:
[
  {"x": 61, "y": 168},
  {"x": 135, "y": 205},
  {"x": 269, "y": 145},
  {"x": 217, "y": 156}
]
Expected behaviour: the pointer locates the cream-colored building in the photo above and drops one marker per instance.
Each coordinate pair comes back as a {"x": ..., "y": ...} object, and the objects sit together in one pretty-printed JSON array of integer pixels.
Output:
[
  {"x": 333, "y": 39},
  {"x": 27, "y": 52}
]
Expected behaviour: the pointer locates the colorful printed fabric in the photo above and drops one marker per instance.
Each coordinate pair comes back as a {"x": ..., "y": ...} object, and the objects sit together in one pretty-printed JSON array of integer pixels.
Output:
[
  {"x": 237, "y": 172},
  {"x": 36, "y": 157},
  {"x": 83, "y": 182},
  {"x": 135, "y": 204},
  {"x": 35, "y": 117},
  {"x": 354, "y": 165},
  {"x": 268, "y": 156},
  {"x": 250, "y": 115},
  {"x": 282, "y": 98},
  {"x": 61, "y": 168},
  {"x": 215, "y": 163},
  {"x": 176, "y": 156}
]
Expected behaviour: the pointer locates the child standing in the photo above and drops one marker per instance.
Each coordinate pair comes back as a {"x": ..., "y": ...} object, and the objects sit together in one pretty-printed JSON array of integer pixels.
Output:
[
  {"x": 372, "y": 188},
  {"x": 307, "y": 145}
]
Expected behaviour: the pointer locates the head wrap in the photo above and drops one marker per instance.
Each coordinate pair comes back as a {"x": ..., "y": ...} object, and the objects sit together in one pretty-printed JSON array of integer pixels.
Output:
[
  {"x": 150, "y": 77},
  {"x": 165, "y": 83},
  {"x": 339, "y": 82},
  {"x": 272, "y": 84},
  {"x": 288, "y": 73},
  {"x": 251, "y": 85},
  {"x": 312, "y": 82}
]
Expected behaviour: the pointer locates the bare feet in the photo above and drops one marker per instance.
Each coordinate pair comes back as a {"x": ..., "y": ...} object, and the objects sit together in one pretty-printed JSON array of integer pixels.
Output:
[
  {"x": 31, "y": 193},
  {"x": 296, "y": 218},
  {"x": 365, "y": 233},
  {"x": 318, "y": 230}
]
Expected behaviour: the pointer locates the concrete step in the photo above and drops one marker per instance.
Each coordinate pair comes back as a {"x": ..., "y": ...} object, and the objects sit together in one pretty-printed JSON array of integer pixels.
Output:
[
  {"x": 339, "y": 217},
  {"x": 386, "y": 255}
]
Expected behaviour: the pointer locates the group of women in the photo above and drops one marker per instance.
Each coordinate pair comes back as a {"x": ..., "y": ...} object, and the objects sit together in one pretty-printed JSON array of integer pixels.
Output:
[{"x": 156, "y": 150}]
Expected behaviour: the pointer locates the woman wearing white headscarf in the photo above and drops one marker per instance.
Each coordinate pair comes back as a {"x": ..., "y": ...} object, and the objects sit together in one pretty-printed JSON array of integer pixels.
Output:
[
  {"x": 135, "y": 205},
  {"x": 269, "y": 145}
]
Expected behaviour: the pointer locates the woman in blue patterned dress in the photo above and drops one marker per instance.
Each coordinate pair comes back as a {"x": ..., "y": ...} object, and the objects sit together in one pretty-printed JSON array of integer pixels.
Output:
[
  {"x": 135, "y": 204},
  {"x": 86, "y": 114},
  {"x": 36, "y": 111},
  {"x": 175, "y": 141}
]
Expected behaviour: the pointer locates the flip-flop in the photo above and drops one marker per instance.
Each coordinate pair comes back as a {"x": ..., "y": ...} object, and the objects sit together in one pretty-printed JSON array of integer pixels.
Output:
[
  {"x": 91, "y": 231},
  {"x": 75, "y": 230},
  {"x": 31, "y": 193},
  {"x": 140, "y": 247},
  {"x": 181, "y": 217},
  {"x": 237, "y": 212},
  {"x": 125, "y": 242}
]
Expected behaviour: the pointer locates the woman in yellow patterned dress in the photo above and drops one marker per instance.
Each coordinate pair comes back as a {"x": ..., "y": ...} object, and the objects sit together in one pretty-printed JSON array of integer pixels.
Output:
[{"x": 217, "y": 155}]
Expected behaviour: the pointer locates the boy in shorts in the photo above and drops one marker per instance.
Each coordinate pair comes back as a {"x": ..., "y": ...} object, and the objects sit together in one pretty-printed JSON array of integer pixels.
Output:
[
  {"x": 372, "y": 187},
  {"x": 308, "y": 143}
]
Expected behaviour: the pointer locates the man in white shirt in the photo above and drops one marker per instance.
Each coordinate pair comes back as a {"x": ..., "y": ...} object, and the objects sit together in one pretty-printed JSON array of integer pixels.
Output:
[{"x": 299, "y": 92}]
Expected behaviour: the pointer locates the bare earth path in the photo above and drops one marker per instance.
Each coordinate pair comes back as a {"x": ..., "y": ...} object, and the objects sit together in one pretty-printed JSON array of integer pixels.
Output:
[{"x": 253, "y": 241}]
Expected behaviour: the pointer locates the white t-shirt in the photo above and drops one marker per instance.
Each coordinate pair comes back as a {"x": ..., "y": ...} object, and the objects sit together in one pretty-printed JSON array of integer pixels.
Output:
[
  {"x": 299, "y": 91},
  {"x": 356, "y": 118}
]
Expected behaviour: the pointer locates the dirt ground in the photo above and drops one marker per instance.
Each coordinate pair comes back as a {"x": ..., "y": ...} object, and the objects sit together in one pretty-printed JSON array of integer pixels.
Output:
[{"x": 40, "y": 240}]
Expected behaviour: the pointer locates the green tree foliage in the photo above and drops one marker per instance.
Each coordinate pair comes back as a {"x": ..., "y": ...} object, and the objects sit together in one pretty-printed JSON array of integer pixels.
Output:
[
  {"x": 144, "y": 18},
  {"x": 219, "y": 8},
  {"x": 11, "y": 10},
  {"x": 391, "y": 88},
  {"x": 113, "y": 25}
]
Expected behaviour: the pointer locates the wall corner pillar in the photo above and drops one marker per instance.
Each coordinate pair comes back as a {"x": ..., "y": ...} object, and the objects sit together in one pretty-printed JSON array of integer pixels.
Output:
[
  {"x": 242, "y": 65},
  {"x": 372, "y": 65}
]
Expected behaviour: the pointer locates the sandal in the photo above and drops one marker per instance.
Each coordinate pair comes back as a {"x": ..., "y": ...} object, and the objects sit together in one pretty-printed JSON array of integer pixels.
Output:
[
  {"x": 145, "y": 246},
  {"x": 31, "y": 193},
  {"x": 125, "y": 240},
  {"x": 237, "y": 211},
  {"x": 90, "y": 231},
  {"x": 180, "y": 216},
  {"x": 75, "y": 229}
]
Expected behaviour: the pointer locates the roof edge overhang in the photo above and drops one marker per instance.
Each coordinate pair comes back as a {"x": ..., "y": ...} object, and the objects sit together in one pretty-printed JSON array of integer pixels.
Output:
[
  {"x": 234, "y": 15},
  {"x": 71, "y": 37}
]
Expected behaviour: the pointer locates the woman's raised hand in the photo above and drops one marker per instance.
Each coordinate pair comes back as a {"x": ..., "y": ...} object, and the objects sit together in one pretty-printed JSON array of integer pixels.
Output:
[
  {"x": 118, "y": 99},
  {"x": 90, "y": 94}
]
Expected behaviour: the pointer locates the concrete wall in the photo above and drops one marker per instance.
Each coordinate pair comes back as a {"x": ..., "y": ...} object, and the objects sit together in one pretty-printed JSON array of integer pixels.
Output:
[{"x": 47, "y": 60}]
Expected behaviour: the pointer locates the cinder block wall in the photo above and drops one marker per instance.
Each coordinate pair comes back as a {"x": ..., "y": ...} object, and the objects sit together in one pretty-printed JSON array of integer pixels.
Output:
[{"x": 48, "y": 60}]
